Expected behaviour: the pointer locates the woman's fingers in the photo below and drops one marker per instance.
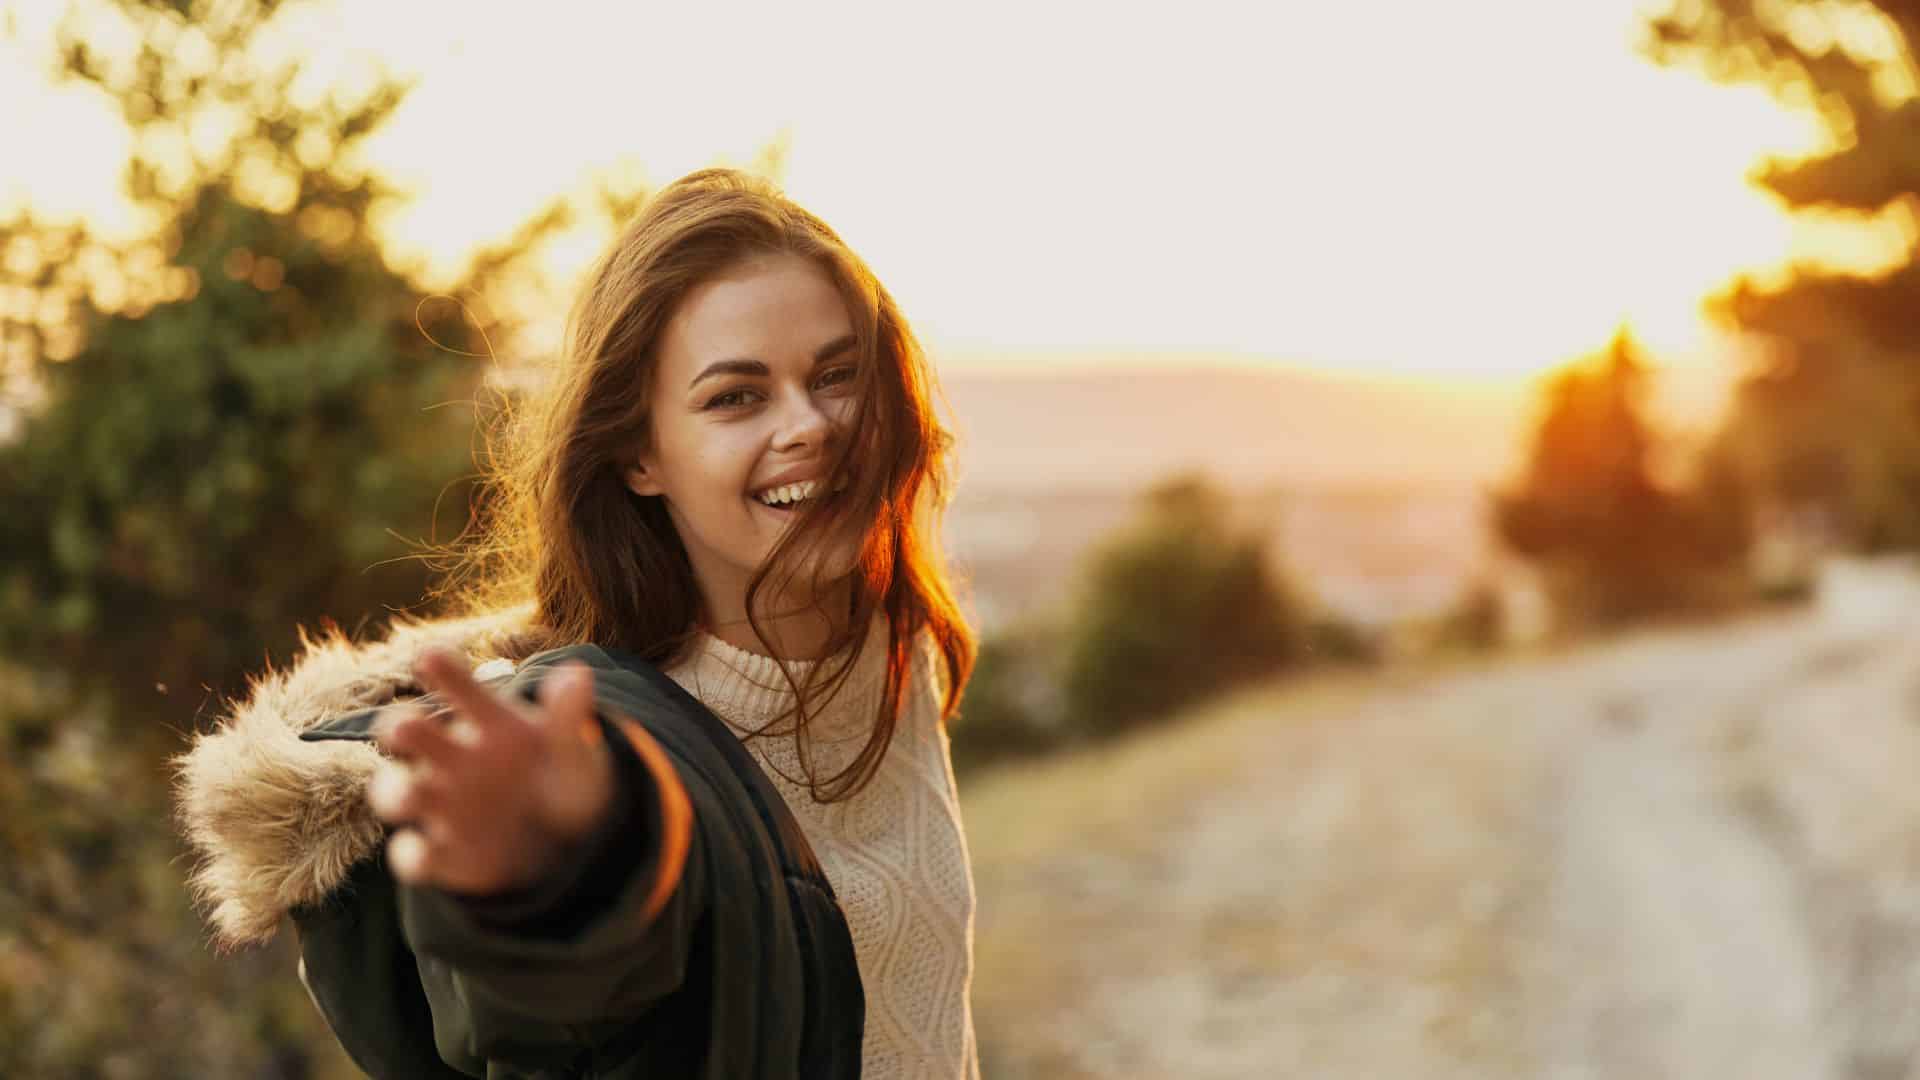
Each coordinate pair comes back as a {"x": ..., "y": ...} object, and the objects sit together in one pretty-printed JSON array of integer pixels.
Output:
[
  {"x": 576, "y": 785},
  {"x": 410, "y": 857},
  {"x": 415, "y": 801},
  {"x": 441, "y": 672},
  {"x": 410, "y": 733},
  {"x": 566, "y": 698},
  {"x": 389, "y": 794},
  {"x": 401, "y": 795},
  {"x": 482, "y": 796}
]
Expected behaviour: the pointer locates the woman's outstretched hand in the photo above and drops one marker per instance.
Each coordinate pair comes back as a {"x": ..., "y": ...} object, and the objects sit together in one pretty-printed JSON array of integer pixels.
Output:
[{"x": 490, "y": 794}]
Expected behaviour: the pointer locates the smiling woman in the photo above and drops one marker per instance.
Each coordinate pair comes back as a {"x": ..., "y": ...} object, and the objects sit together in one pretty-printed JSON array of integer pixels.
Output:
[
  {"x": 733, "y": 440},
  {"x": 700, "y": 816}
]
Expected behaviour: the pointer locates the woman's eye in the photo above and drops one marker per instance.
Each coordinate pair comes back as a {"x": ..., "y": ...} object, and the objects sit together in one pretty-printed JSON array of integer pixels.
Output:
[
  {"x": 837, "y": 375},
  {"x": 728, "y": 400}
]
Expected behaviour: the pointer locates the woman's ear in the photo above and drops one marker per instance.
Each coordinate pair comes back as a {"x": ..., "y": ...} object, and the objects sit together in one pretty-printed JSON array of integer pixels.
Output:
[{"x": 642, "y": 480}]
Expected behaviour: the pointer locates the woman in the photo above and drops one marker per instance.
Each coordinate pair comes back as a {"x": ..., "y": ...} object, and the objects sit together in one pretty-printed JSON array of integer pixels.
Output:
[{"x": 546, "y": 860}]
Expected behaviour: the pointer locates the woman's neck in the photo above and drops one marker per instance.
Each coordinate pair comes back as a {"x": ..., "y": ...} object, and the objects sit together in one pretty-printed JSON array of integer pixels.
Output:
[{"x": 794, "y": 633}]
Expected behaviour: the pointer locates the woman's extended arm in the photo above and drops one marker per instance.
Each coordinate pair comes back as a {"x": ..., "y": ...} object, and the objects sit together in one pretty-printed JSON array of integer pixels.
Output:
[{"x": 540, "y": 868}]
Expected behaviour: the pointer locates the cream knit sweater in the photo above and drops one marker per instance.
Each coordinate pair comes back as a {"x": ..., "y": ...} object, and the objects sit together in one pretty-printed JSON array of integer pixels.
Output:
[{"x": 895, "y": 853}]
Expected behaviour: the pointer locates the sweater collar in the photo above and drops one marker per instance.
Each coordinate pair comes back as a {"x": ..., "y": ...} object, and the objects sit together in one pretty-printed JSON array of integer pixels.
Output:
[{"x": 749, "y": 691}]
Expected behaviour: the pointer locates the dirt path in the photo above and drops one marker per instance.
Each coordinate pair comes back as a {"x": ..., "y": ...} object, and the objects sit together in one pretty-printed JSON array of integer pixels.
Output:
[
  {"x": 1677, "y": 943},
  {"x": 1686, "y": 854},
  {"x": 1690, "y": 929}
]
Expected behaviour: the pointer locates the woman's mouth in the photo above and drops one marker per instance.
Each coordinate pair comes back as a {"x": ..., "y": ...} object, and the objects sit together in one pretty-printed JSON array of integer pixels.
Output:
[{"x": 789, "y": 499}]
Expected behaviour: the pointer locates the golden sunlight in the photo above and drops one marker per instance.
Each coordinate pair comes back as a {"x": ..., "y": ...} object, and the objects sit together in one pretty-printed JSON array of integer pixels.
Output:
[{"x": 1482, "y": 192}]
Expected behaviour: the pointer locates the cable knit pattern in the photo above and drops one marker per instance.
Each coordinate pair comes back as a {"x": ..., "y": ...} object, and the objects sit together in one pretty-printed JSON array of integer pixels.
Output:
[{"x": 895, "y": 853}]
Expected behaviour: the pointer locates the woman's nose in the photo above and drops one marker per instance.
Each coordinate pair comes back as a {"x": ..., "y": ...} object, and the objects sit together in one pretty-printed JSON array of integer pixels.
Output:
[{"x": 804, "y": 423}]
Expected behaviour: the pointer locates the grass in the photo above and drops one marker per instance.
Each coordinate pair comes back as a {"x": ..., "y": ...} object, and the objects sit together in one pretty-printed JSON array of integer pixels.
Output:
[{"x": 1308, "y": 874}]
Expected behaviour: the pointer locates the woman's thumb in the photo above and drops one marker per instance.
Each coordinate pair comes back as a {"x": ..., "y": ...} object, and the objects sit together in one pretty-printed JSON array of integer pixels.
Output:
[
  {"x": 578, "y": 778},
  {"x": 566, "y": 697}
]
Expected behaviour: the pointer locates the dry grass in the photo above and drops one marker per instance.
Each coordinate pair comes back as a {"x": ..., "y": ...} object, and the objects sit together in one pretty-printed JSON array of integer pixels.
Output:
[{"x": 1306, "y": 877}]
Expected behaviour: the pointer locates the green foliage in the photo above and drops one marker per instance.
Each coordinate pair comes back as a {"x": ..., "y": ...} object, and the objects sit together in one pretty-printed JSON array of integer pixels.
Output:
[
  {"x": 1831, "y": 424},
  {"x": 103, "y": 970},
  {"x": 229, "y": 424},
  {"x": 203, "y": 474},
  {"x": 1331, "y": 638},
  {"x": 1179, "y": 606},
  {"x": 1832, "y": 429},
  {"x": 1012, "y": 707},
  {"x": 1474, "y": 623},
  {"x": 1617, "y": 544},
  {"x": 1843, "y": 60},
  {"x": 222, "y": 429}
]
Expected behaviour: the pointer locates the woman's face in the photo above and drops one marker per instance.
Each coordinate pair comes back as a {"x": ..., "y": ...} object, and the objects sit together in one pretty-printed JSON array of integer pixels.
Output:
[{"x": 753, "y": 391}]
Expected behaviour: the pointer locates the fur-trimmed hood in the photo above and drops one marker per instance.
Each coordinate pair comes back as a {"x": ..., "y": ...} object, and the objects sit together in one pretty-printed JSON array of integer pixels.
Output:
[{"x": 276, "y": 822}]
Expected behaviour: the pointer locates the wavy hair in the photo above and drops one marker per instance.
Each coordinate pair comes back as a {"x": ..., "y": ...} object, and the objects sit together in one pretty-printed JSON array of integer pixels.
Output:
[{"x": 559, "y": 531}]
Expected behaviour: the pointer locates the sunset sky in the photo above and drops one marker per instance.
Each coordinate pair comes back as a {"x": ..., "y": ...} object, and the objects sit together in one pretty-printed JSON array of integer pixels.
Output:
[{"x": 1462, "y": 189}]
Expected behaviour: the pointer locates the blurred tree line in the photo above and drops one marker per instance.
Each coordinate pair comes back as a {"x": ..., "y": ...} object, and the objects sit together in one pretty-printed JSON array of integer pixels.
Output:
[
  {"x": 1828, "y": 429},
  {"x": 225, "y": 427}
]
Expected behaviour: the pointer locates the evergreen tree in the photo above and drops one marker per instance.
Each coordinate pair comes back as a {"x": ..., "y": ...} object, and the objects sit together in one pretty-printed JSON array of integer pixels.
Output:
[{"x": 1617, "y": 542}]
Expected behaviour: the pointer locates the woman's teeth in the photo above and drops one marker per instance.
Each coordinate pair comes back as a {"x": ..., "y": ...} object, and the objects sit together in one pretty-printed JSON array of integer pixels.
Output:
[
  {"x": 792, "y": 494},
  {"x": 787, "y": 494}
]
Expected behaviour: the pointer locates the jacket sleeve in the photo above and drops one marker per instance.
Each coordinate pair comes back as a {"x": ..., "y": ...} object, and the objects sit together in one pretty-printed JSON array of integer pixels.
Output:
[{"x": 567, "y": 964}]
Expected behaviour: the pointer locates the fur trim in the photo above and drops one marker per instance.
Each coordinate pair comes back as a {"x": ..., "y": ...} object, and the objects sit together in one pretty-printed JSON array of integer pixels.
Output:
[{"x": 275, "y": 823}]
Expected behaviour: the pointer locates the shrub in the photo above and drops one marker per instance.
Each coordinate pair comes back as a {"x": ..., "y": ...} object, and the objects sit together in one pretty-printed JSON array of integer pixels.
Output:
[
  {"x": 1175, "y": 607},
  {"x": 1334, "y": 639},
  {"x": 1012, "y": 707}
]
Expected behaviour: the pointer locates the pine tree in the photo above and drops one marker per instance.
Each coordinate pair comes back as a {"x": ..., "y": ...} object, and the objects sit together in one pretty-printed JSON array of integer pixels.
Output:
[{"x": 1618, "y": 543}]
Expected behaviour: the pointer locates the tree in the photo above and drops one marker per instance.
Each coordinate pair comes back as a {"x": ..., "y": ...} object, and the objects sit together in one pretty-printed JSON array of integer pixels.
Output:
[
  {"x": 234, "y": 422},
  {"x": 226, "y": 427},
  {"x": 1617, "y": 542},
  {"x": 1829, "y": 422}
]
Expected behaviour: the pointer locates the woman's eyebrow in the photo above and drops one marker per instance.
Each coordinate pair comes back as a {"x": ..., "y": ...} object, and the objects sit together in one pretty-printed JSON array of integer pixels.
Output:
[
  {"x": 729, "y": 367},
  {"x": 747, "y": 366},
  {"x": 834, "y": 348}
]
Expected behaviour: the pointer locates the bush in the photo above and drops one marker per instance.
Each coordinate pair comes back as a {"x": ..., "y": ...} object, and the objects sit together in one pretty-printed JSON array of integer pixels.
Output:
[
  {"x": 1333, "y": 639},
  {"x": 103, "y": 970},
  {"x": 1012, "y": 707},
  {"x": 1475, "y": 623},
  {"x": 1176, "y": 607}
]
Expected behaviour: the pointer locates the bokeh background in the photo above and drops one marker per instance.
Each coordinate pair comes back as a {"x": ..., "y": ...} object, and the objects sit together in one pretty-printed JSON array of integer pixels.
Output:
[{"x": 1438, "y": 485}]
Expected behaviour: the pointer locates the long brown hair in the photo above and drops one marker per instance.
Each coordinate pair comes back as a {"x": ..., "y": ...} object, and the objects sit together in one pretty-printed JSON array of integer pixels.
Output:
[{"x": 558, "y": 529}]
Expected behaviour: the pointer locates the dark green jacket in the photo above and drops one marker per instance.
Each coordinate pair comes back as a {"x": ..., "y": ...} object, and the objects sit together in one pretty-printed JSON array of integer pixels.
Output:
[{"x": 747, "y": 971}]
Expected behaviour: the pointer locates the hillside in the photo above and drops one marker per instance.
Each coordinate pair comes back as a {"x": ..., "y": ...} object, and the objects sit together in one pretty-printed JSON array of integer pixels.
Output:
[{"x": 1118, "y": 427}]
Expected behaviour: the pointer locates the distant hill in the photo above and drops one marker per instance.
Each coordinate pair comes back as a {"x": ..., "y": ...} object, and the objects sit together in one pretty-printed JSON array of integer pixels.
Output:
[{"x": 1086, "y": 428}]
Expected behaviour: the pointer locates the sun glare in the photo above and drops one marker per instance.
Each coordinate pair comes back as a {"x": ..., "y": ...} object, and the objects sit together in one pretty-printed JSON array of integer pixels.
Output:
[{"x": 1228, "y": 186}]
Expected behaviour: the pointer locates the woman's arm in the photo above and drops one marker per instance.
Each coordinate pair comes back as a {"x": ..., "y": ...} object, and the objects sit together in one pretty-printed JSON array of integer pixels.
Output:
[{"x": 552, "y": 890}]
